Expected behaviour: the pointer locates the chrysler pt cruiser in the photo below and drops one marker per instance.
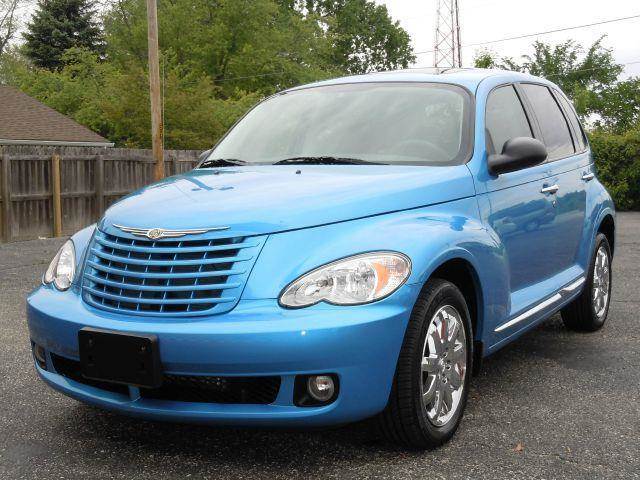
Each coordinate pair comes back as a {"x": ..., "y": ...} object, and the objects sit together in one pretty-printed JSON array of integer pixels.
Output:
[{"x": 351, "y": 249}]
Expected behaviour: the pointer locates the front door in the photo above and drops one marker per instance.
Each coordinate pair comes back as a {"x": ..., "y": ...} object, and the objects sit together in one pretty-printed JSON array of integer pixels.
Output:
[{"x": 521, "y": 206}]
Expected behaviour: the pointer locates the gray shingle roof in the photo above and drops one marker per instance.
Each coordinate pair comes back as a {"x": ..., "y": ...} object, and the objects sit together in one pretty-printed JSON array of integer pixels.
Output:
[{"x": 23, "y": 118}]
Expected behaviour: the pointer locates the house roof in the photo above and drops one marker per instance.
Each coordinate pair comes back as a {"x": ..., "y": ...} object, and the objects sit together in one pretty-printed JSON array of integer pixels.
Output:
[{"x": 26, "y": 121}]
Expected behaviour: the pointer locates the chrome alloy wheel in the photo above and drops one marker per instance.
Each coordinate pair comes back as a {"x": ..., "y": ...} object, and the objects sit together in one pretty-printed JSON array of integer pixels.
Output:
[
  {"x": 601, "y": 282},
  {"x": 444, "y": 360}
]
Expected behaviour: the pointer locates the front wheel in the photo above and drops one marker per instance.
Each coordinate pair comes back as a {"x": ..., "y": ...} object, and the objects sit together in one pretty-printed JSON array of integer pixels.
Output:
[
  {"x": 589, "y": 311},
  {"x": 431, "y": 384}
]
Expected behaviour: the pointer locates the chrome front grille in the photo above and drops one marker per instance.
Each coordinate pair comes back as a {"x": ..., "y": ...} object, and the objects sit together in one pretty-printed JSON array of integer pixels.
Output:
[{"x": 167, "y": 277}]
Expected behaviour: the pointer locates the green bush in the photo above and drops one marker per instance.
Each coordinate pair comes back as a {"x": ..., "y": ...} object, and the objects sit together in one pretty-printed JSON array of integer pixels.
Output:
[{"x": 617, "y": 160}]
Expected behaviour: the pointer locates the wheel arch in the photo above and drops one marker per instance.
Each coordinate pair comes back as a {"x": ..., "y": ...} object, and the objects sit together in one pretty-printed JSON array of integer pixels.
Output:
[
  {"x": 462, "y": 273},
  {"x": 461, "y": 269},
  {"x": 607, "y": 226}
]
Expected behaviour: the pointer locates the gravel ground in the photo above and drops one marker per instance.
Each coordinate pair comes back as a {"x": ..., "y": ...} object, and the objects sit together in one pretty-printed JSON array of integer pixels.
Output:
[{"x": 553, "y": 404}]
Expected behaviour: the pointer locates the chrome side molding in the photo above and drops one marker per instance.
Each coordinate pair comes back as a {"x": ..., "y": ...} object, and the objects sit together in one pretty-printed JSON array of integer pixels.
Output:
[
  {"x": 572, "y": 287},
  {"x": 523, "y": 316}
]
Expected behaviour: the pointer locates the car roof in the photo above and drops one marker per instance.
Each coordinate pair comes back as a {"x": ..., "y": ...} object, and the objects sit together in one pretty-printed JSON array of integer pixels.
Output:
[{"x": 469, "y": 78}]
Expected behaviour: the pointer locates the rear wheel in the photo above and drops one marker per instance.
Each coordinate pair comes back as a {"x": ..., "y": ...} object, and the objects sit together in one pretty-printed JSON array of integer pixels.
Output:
[
  {"x": 431, "y": 384},
  {"x": 589, "y": 311}
]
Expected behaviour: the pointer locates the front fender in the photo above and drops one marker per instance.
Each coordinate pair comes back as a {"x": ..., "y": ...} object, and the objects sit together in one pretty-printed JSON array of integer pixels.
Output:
[{"x": 429, "y": 236}]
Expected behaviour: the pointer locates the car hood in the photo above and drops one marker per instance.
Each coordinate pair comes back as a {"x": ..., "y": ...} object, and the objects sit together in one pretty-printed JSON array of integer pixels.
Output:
[{"x": 272, "y": 198}]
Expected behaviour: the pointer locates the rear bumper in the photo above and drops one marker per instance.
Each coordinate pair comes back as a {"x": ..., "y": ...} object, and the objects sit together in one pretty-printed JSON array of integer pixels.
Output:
[{"x": 359, "y": 344}]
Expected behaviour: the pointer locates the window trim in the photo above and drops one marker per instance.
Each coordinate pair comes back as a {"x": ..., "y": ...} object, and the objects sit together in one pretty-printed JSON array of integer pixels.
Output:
[
  {"x": 531, "y": 114},
  {"x": 527, "y": 114},
  {"x": 566, "y": 120},
  {"x": 572, "y": 132},
  {"x": 581, "y": 133}
]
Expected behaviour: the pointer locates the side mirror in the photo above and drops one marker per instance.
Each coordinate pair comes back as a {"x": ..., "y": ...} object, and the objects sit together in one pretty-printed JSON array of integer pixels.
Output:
[{"x": 517, "y": 153}]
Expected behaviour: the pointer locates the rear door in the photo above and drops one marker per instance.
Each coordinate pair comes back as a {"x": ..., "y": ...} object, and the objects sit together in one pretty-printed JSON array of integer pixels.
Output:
[
  {"x": 583, "y": 175},
  {"x": 565, "y": 162}
]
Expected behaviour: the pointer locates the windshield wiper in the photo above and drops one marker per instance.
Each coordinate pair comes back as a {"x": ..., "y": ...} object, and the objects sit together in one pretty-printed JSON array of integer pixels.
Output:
[
  {"x": 222, "y": 162},
  {"x": 325, "y": 160}
]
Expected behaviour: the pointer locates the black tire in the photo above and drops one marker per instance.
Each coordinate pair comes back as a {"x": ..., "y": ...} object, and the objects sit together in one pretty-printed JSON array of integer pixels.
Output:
[
  {"x": 405, "y": 421},
  {"x": 580, "y": 315}
]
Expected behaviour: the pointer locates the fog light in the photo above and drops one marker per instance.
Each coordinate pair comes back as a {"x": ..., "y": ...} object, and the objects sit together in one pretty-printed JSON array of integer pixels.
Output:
[{"x": 321, "y": 387}]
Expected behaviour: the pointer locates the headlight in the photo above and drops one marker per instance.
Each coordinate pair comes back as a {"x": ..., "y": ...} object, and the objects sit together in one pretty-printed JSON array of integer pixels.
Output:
[
  {"x": 350, "y": 281},
  {"x": 62, "y": 268}
]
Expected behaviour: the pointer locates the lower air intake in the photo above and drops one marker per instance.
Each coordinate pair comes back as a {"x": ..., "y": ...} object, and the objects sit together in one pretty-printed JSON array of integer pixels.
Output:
[{"x": 234, "y": 390}]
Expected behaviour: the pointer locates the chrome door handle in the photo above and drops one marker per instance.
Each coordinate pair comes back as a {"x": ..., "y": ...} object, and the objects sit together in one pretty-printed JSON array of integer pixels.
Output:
[
  {"x": 587, "y": 176},
  {"x": 550, "y": 189}
]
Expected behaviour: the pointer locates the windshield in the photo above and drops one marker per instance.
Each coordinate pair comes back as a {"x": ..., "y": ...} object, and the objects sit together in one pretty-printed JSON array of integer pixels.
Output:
[{"x": 388, "y": 123}]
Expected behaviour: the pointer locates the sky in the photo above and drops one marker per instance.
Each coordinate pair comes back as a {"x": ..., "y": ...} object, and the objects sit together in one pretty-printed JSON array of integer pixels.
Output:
[{"x": 484, "y": 20}]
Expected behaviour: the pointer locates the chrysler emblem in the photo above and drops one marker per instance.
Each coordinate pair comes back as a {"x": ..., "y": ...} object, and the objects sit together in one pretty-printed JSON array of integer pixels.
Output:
[
  {"x": 158, "y": 233},
  {"x": 155, "y": 233}
]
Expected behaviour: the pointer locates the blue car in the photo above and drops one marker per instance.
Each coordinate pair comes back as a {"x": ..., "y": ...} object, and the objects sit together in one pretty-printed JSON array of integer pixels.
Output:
[{"x": 350, "y": 250}]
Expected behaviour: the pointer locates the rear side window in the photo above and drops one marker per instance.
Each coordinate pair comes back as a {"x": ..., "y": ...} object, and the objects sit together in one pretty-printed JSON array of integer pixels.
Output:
[
  {"x": 581, "y": 141},
  {"x": 553, "y": 125},
  {"x": 505, "y": 118}
]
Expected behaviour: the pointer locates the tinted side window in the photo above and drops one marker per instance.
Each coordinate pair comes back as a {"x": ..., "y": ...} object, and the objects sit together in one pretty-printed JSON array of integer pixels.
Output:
[
  {"x": 554, "y": 127},
  {"x": 505, "y": 118},
  {"x": 581, "y": 141}
]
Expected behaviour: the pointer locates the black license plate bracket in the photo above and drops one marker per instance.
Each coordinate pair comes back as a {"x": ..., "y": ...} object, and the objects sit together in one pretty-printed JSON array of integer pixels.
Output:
[{"x": 125, "y": 358}]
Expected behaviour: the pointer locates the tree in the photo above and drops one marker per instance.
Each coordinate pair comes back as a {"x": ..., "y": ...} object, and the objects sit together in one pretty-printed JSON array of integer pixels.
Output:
[
  {"x": 218, "y": 59},
  {"x": 59, "y": 25},
  {"x": 8, "y": 22},
  {"x": 619, "y": 107},
  {"x": 264, "y": 45},
  {"x": 254, "y": 45},
  {"x": 617, "y": 159},
  {"x": 114, "y": 101},
  {"x": 362, "y": 34},
  {"x": 485, "y": 59},
  {"x": 584, "y": 76}
]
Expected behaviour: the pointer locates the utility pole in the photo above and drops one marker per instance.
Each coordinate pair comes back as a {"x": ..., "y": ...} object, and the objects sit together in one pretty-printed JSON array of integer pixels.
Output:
[
  {"x": 446, "y": 46},
  {"x": 157, "y": 128}
]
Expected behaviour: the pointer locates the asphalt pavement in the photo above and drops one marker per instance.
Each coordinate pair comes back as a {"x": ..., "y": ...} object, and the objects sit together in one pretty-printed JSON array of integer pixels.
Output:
[{"x": 554, "y": 404}]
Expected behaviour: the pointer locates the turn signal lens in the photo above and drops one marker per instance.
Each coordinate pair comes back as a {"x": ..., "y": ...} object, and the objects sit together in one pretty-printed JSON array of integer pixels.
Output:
[{"x": 351, "y": 281}]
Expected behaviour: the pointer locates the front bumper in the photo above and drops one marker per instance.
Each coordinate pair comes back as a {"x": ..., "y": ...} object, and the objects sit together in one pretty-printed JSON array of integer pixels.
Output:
[{"x": 359, "y": 344}]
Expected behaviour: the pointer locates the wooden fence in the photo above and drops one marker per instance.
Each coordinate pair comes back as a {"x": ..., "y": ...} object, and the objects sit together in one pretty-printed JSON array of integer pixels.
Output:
[{"x": 55, "y": 191}]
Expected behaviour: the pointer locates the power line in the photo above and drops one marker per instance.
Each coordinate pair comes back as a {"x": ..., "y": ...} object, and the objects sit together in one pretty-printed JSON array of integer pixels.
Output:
[
  {"x": 408, "y": 68},
  {"x": 594, "y": 68},
  {"x": 634, "y": 62},
  {"x": 529, "y": 35}
]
